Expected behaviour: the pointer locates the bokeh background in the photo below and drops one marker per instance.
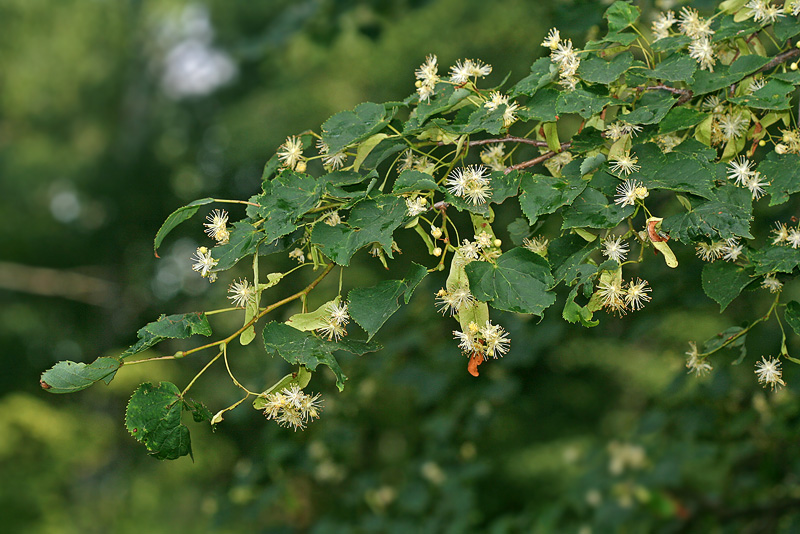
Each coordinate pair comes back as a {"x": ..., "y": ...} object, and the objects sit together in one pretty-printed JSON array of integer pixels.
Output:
[{"x": 114, "y": 113}]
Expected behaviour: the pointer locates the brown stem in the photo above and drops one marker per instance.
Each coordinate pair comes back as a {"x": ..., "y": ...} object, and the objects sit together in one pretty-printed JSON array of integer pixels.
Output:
[
  {"x": 780, "y": 58},
  {"x": 536, "y": 161}
]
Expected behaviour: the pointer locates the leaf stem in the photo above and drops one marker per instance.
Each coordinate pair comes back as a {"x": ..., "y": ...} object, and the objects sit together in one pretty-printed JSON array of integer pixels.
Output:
[{"x": 203, "y": 370}]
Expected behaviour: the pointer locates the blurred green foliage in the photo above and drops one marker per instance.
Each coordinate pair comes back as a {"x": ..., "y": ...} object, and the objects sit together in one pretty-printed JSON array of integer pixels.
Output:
[{"x": 114, "y": 113}]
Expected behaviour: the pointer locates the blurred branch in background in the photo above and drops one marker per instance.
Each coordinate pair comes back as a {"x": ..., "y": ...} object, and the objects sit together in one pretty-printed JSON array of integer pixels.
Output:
[{"x": 57, "y": 283}]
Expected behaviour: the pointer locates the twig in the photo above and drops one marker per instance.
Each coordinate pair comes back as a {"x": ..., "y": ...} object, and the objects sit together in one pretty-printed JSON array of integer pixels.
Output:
[
  {"x": 686, "y": 94},
  {"x": 536, "y": 161},
  {"x": 780, "y": 58}
]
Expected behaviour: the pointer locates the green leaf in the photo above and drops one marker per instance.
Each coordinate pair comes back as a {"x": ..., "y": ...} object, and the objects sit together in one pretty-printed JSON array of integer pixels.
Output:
[
  {"x": 676, "y": 68},
  {"x": 200, "y": 411},
  {"x": 371, "y": 220},
  {"x": 781, "y": 171},
  {"x": 621, "y": 15},
  {"x": 504, "y": 185},
  {"x": 179, "y": 326},
  {"x": 69, "y": 377},
  {"x": 596, "y": 70},
  {"x": 371, "y": 307},
  {"x": 651, "y": 108},
  {"x": 567, "y": 254},
  {"x": 409, "y": 181},
  {"x": 349, "y": 127},
  {"x": 517, "y": 282},
  {"x": 481, "y": 119},
  {"x": 177, "y": 217},
  {"x": 244, "y": 241},
  {"x": 304, "y": 348},
  {"x": 680, "y": 118},
  {"x": 285, "y": 199},
  {"x": 718, "y": 340},
  {"x": 306, "y": 322},
  {"x": 545, "y": 194},
  {"x": 584, "y": 102},
  {"x": 669, "y": 44},
  {"x": 724, "y": 75},
  {"x": 775, "y": 258},
  {"x": 727, "y": 27},
  {"x": 727, "y": 215},
  {"x": 792, "y": 315},
  {"x": 677, "y": 171},
  {"x": 542, "y": 73},
  {"x": 385, "y": 148},
  {"x": 786, "y": 27},
  {"x": 445, "y": 97},
  {"x": 542, "y": 107},
  {"x": 591, "y": 209},
  {"x": 365, "y": 148},
  {"x": 723, "y": 281},
  {"x": 774, "y": 95},
  {"x": 153, "y": 417}
]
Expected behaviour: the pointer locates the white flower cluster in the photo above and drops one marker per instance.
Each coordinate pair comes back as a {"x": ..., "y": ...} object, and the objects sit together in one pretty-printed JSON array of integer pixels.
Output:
[
  {"x": 203, "y": 263},
  {"x": 790, "y": 142},
  {"x": 217, "y": 226},
  {"x": 410, "y": 161},
  {"x": 292, "y": 407},
  {"x": 428, "y": 74},
  {"x": 493, "y": 157},
  {"x": 496, "y": 99},
  {"x": 629, "y": 191},
  {"x": 290, "y": 154},
  {"x": 487, "y": 340},
  {"x": 619, "y": 298},
  {"x": 769, "y": 372},
  {"x": 726, "y": 249},
  {"x": 330, "y": 161},
  {"x": 691, "y": 24},
  {"x": 471, "y": 183},
  {"x": 741, "y": 172},
  {"x": 335, "y": 322},
  {"x": 562, "y": 54}
]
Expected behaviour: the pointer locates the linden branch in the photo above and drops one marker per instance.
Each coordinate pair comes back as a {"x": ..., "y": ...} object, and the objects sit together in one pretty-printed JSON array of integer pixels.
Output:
[
  {"x": 536, "y": 161},
  {"x": 302, "y": 293}
]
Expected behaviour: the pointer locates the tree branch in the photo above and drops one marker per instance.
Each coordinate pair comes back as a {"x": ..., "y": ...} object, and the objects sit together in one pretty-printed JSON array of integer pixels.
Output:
[
  {"x": 536, "y": 161},
  {"x": 780, "y": 58}
]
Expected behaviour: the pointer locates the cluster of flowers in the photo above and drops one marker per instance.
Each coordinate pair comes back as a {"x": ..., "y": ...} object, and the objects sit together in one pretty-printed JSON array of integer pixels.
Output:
[
  {"x": 727, "y": 126},
  {"x": 741, "y": 172},
  {"x": 691, "y": 24},
  {"x": 618, "y": 298},
  {"x": 614, "y": 295},
  {"x": 562, "y": 54},
  {"x": 790, "y": 141},
  {"x": 292, "y": 407},
  {"x": 487, "y": 340},
  {"x": 494, "y": 156},
  {"x": 768, "y": 370},
  {"x": 497, "y": 99},
  {"x": 726, "y": 249},
  {"x": 335, "y": 322},
  {"x": 217, "y": 229},
  {"x": 470, "y": 182},
  {"x": 410, "y": 161},
  {"x": 477, "y": 341},
  {"x": 624, "y": 164},
  {"x": 428, "y": 74},
  {"x": 485, "y": 247}
]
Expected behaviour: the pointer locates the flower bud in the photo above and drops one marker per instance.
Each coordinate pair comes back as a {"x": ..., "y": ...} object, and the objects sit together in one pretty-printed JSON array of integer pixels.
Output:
[
  {"x": 437, "y": 251},
  {"x": 301, "y": 166},
  {"x": 497, "y": 243},
  {"x": 436, "y": 232}
]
